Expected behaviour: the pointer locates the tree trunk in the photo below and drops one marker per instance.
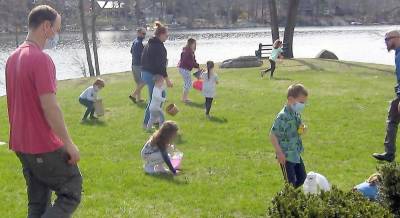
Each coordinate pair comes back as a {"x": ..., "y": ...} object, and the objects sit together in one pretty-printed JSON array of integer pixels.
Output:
[
  {"x": 138, "y": 13},
  {"x": 289, "y": 29},
  {"x": 16, "y": 35},
  {"x": 86, "y": 38},
  {"x": 274, "y": 20},
  {"x": 256, "y": 12},
  {"x": 262, "y": 11},
  {"x": 94, "y": 38}
]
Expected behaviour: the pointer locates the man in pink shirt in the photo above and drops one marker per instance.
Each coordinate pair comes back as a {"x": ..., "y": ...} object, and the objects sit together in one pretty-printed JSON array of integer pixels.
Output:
[{"x": 38, "y": 134}]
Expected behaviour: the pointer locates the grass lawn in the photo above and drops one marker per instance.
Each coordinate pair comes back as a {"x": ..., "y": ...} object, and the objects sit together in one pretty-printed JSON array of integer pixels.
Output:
[{"x": 229, "y": 167}]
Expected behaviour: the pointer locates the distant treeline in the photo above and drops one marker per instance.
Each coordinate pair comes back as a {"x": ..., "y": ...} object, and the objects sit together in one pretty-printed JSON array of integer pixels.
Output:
[{"x": 125, "y": 14}]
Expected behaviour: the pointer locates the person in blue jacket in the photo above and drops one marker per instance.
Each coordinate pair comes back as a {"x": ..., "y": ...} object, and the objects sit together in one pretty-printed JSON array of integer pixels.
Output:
[
  {"x": 136, "y": 51},
  {"x": 392, "y": 40}
]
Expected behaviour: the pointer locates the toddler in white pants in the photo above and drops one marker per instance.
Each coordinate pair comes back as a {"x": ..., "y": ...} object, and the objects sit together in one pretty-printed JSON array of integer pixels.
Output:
[{"x": 157, "y": 100}]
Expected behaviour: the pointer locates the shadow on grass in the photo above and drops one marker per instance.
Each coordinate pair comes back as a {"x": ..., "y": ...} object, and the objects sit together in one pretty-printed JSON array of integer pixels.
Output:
[
  {"x": 356, "y": 65},
  {"x": 179, "y": 139},
  {"x": 195, "y": 104},
  {"x": 94, "y": 123},
  {"x": 142, "y": 105},
  {"x": 169, "y": 178},
  {"x": 218, "y": 120},
  {"x": 308, "y": 64},
  {"x": 281, "y": 79}
]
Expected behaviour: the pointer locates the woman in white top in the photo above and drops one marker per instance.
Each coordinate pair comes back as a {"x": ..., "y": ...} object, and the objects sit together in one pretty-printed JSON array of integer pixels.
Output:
[
  {"x": 157, "y": 100},
  {"x": 210, "y": 81},
  {"x": 89, "y": 97}
]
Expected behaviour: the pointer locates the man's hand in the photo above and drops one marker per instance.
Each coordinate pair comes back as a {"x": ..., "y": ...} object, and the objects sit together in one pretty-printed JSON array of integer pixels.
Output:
[
  {"x": 281, "y": 157},
  {"x": 169, "y": 83},
  {"x": 73, "y": 153}
]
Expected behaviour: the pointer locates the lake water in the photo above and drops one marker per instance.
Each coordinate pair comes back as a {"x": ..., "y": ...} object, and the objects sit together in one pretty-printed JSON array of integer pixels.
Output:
[{"x": 352, "y": 43}]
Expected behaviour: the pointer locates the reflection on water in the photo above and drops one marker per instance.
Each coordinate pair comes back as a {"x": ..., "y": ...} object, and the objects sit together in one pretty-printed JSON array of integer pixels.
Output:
[{"x": 364, "y": 44}]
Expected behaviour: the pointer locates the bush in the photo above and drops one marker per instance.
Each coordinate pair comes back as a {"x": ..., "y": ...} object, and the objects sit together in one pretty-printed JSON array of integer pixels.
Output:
[
  {"x": 335, "y": 203},
  {"x": 390, "y": 188}
]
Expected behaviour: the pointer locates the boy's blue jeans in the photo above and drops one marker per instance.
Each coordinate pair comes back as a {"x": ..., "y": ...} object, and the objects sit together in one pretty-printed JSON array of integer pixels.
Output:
[
  {"x": 148, "y": 78},
  {"x": 296, "y": 173},
  {"x": 90, "y": 107}
]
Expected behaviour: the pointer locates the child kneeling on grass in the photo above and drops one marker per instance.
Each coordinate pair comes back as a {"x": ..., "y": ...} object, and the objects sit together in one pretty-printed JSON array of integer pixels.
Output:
[
  {"x": 370, "y": 188},
  {"x": 210, "y": 81},
  {"x": 156, "y": 103},
  {"x": 285, "y": 136},
  {"x": 89, "y": 97},
  {"x": 155, "y": 151}
]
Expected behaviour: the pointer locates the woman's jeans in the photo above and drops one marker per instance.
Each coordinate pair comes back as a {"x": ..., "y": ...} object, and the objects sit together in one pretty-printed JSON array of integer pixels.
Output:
[
  {"x": 90, "y": 107},
  {"x": 148, "y": 78}
]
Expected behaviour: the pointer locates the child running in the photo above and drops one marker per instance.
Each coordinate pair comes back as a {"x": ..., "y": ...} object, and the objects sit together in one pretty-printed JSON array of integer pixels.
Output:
[
  {"x": 286, "y": 133},
  {"x": 89, "y": 97},
  {"x": 210, "y": 81},
  {"x": 155, "y": 151},
  {"x": 275, "y": 54},
  {"x": 157, "y": 100}
]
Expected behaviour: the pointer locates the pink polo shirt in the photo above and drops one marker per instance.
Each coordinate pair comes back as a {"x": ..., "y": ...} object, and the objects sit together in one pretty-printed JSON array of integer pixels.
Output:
[{"x": 30, "y": 73}]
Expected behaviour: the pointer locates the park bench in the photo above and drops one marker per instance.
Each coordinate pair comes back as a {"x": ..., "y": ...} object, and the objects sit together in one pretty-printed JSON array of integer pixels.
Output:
[{"x": 264, "y": 50}]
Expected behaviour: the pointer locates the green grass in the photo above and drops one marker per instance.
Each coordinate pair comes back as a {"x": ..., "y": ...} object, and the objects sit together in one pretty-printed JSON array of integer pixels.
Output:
[{"x": 229, "y": 165}]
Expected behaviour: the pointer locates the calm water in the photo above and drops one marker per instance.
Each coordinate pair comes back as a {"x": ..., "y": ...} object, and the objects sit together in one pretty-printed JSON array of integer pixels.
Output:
[{"x": 363, "y": 44}]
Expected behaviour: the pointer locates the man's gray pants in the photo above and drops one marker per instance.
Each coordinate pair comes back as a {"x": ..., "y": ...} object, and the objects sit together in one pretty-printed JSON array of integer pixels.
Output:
[
  {"x": 49, "y": 172},
  {"x": 391, "y": 129}
]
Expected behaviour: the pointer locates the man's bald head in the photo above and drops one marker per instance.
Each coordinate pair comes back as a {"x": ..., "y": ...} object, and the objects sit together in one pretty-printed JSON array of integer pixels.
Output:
[{"x": 392, "y": 40}]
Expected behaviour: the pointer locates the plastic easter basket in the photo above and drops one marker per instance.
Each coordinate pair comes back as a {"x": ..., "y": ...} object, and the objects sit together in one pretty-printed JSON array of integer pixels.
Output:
[{"x": 198, "y": 85}]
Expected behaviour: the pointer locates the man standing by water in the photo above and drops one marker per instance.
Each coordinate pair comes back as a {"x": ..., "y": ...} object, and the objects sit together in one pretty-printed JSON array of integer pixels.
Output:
[
  {"x": 136, "y": 51},
  {"x": 38, "y": 134},
  {"x": 392, "y": 40}
]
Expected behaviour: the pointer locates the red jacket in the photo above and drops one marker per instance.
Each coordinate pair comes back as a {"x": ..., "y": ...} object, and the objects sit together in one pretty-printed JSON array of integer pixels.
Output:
[{"x": 188, "y": 59}]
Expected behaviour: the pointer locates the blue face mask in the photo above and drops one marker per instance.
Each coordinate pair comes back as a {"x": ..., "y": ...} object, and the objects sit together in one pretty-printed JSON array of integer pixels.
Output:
[
  {"x": 298, "y": 107},
  {"x": 52, "y": 42}
]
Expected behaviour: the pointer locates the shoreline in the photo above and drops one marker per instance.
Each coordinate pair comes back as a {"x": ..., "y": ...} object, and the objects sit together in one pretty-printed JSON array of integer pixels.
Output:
[
  {"x": 183, "y": 28},
  {"x": 366, "y": 64}
]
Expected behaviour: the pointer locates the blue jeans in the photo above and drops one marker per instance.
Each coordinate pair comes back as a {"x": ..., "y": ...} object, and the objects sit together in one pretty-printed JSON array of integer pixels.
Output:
[
  {"x": 90, "y": 107},
  {"x": 148, "y": 78},
  {"x": 296, "y": 173}
]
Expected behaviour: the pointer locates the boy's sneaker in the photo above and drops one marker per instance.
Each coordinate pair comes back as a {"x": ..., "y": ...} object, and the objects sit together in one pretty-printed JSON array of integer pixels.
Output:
[{"x": 84, "y": 120}]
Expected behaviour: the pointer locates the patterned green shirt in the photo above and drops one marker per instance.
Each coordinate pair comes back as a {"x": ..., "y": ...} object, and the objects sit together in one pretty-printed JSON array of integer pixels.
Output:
[{"x": 285, "y": 128}]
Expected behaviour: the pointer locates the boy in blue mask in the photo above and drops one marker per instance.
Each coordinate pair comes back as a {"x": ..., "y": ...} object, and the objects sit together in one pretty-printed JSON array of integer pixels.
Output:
[{"x": 286, "y": 134}]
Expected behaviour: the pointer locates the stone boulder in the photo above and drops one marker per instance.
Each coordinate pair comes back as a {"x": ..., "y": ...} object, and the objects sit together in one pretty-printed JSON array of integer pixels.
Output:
[
  {"x": 242, "y": 62},
  {"x": 325, "y": 54}
]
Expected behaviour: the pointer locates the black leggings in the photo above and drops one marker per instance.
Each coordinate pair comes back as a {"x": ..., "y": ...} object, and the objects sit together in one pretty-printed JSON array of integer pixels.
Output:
[
  {"x": 272, "y": 68},
  {"x": 208, "y": 105}
]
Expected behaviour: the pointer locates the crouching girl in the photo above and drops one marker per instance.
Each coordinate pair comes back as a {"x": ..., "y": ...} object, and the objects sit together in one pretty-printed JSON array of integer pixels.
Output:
[{"x": 156, "y": 150}]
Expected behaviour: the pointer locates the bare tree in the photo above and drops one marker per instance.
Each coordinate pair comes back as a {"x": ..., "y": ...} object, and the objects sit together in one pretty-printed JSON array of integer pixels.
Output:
[
  {"x": 95, "y": 12},
  {"x": 289, "y": 29},
  {"x": 85, "y": 37},
  {"x": 273, "y": 12}
]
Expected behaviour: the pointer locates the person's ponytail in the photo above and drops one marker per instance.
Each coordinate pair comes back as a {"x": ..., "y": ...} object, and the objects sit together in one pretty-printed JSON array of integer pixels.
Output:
[
  {"x": 210, "y": 65},
  {"x": 159, "y": 29}
]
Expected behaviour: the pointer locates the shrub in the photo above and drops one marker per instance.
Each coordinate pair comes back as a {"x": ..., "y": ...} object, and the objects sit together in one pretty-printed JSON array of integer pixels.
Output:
[
  {"x": 292, "y": 202},
  {"x": 390, "y": 188}
]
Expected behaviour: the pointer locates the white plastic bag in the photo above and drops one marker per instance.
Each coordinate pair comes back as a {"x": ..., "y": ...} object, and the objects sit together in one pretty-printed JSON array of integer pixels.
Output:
[{"x": 315, "y": 183}]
